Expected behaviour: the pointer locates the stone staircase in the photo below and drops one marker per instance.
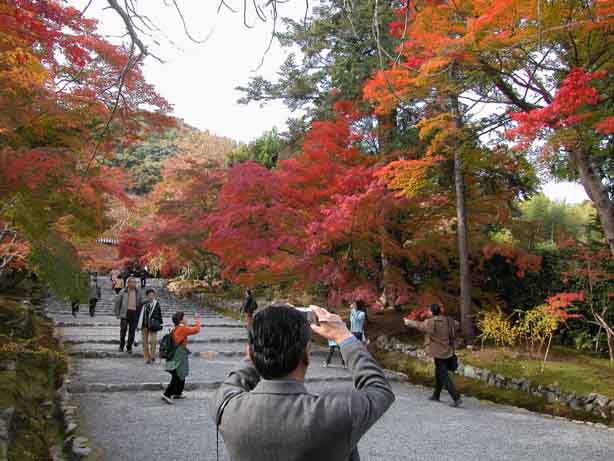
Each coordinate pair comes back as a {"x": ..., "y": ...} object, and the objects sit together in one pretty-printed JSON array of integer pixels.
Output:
[{"x": 114, "y": 412}]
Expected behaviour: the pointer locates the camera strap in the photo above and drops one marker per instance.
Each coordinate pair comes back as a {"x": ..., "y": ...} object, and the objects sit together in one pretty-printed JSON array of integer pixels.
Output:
[{"x": 218, "y": 419}]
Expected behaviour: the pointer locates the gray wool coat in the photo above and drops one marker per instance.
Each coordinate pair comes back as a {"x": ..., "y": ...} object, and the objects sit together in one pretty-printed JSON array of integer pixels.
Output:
[
  {"x": 278, "y": 420},
  {"x": 121, "y": 303}
]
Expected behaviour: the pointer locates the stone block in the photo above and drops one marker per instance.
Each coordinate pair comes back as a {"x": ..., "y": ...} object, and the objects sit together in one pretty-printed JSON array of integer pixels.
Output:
[{"x": 80, "y": 447}]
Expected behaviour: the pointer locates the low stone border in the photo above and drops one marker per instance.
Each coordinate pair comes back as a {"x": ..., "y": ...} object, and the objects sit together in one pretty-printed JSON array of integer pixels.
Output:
[{"x": 594, "y": 403}]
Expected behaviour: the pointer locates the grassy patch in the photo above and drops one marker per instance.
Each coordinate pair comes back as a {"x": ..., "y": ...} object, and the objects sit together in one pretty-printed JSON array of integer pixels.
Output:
[
  {"x": 423, "y": 373},
  {"x": 26, "y": 339},
  {"x": 573, "y": 371}
]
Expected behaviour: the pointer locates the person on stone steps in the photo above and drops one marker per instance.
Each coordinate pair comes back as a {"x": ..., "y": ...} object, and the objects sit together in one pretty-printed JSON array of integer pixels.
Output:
[
  {"x": 264, "y": 411},
  {"x": 358, "y": 318},
  {"x": 127, "y": 307},
  {"x": 440, "y": 332},
  {"x": 178, "y": 365},
  {"x": 249, "y": 307},
  {"x": 332, "y": 347},
  {"x": 150, "y": 322},
  {"x": 95, "y": 293}
]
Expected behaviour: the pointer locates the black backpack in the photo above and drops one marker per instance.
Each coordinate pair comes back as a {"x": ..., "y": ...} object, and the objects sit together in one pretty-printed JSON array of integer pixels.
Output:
[{"x": 167, "y": 346}]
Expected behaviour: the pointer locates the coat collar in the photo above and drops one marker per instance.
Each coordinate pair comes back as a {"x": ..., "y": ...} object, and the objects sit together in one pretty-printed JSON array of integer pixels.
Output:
[{"x": 281, "y": 387}]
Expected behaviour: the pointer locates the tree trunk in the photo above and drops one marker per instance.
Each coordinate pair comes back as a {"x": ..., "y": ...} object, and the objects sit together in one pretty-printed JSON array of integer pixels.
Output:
[
  {"x": 385, "y": 127},
  {"x": 466, "y": 308},
  {"x": 598, "y": 193},
  {"x": 463, "y": 250}
]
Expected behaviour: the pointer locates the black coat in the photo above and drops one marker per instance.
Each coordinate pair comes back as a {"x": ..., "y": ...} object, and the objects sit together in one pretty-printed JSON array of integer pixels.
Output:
[
  {"x": 249, "y": 305},
  {"x": 149, "y": 316}
]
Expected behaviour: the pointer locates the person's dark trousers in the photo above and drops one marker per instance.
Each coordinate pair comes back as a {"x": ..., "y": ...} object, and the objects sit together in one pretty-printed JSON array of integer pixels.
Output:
[
  {"x": 93, "y": 307},
  {"x": 331, "y": 351},
  {"x": 128, "y": 324},
  {"x": 442, "y": 379},
  {"x": 357, "y": 335},
  {"x": 143, "y": 282},
  {"x": 175, "y": 387},
  {"x": 75, "y": 308},
  {"x": 117, "y": 290}
]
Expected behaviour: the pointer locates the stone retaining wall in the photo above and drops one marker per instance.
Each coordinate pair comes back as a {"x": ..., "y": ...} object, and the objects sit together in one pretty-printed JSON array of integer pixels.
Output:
[{"x": 594, "y": 403}]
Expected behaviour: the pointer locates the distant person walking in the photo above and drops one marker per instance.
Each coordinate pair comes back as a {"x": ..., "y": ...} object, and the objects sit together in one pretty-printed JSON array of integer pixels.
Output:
[
  {"x": 144, "y": 273},
  {"x": 116, "y": 281},
  {"x": 358, "y": 318},
  {"x": 332, "y": 347},
  {"x": 249, "y": 307},
  {"x": 95, "y": 294},
  {"x": 74, "y": 307},
  {"x": 150, "y": 322},
  {"x": 127, "y": 306},
  {"x": 440, "y": 333},
  {"x": 178, "y": 365}
]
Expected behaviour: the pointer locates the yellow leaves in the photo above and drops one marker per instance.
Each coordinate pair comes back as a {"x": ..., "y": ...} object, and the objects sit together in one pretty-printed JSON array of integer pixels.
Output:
[
  {"x": 495, "y": 326},
  {"x": 21, "y": 70},
  {"x": 441, "y": 130}
]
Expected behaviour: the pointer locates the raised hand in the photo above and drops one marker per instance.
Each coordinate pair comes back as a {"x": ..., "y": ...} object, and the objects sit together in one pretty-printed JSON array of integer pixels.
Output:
[{"x": 331, "y": 326}]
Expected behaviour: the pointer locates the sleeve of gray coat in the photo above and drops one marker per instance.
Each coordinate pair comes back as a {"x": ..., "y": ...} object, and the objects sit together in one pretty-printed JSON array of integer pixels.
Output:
[
  {"x": 372, "y": 395},
  {"x": 241, "y": 380},
  {"x": 118, "y": 300}
]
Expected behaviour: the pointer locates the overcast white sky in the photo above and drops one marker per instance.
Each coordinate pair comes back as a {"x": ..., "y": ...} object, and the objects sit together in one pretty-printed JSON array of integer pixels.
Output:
[{"x": 200, "y": 79}]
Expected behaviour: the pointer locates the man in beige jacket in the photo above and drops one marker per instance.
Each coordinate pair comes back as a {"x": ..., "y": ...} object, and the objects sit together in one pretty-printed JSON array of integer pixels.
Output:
[{"x": 440, "y": 334}]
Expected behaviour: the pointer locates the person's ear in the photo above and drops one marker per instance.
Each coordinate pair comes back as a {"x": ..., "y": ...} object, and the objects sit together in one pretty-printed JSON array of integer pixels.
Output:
[{"x": 307, "y": 355}]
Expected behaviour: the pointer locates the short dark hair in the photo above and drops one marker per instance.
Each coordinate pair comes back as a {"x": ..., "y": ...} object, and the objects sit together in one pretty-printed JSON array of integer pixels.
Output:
[
  {"x": 435, "y": 309},
  {"x": 278, "y": 339},
  {"x": 150, "y": 290},
  {"x": 178, "y": 317}
]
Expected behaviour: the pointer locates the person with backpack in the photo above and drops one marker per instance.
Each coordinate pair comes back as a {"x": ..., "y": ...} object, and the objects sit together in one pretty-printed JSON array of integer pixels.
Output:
[
  {"x": 177, "y": 363},
  {"x": 440, "y": 331},
  {"x": 150, "y": 322},
  {"x": 95, "y": 294}
]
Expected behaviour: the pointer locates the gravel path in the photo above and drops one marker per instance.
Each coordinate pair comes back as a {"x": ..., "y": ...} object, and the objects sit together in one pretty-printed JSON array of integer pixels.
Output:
[{"x": 134, "y": 425}]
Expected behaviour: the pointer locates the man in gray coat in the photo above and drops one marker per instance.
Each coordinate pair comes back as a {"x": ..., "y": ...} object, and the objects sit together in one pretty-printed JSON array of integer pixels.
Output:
[
  {"x": 127, "y": 308},
  {"x": 264, "y": 410}
]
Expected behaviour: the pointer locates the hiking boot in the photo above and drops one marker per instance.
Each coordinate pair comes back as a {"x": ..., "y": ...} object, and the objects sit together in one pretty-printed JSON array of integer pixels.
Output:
[
  {"x": 167, "y": 400},
  {"x": 457, "y": 403},
  {"x": 121, "y": 349},
  {"x": 179, "y": 397},
  {"x": 129, "y": 351},
  {"x": 325, "y": 365}
]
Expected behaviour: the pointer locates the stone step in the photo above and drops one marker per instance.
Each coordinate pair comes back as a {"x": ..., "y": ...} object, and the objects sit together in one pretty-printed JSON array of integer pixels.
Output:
[
  {"x": 68, "y": 324},
  {"x": 122, "y": 370}
]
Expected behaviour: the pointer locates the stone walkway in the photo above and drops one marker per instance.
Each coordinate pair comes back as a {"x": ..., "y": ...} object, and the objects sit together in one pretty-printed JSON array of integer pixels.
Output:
[{"x": 119, "y": 406}]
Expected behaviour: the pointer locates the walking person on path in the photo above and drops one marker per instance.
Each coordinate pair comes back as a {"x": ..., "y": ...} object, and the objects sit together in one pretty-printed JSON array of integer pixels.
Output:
[
  {"x": 143, "y": 273},
  {"x": 178, "y": 365},
  {"x": 150, "y": 322},
  {"x": 116, "y": 281},
  {"x": 127, "y": 306},
  {"x": 358, "y": 318},
  {"x": 95, "y": 294},
  {"x": 74, "y": 307},
  {"x": 440, "y": 333},
  {"x": 264, "y": 411},
  {"x": 249, "y": 307},
  {"x": 332, "y": 347}
]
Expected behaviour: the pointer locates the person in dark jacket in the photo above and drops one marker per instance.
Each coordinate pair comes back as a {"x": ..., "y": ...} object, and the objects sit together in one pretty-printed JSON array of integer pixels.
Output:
[
  {"x": 74, "y": 307},
  {"x": 150, "y": 322},
  {"x": 94, "y": 294},
  {"x": 249, "y": 307},
  {"x": 440, "y": 332}
]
